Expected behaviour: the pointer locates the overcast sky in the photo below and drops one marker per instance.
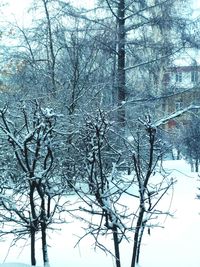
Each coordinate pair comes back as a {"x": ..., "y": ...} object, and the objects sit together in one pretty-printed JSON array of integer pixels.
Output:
[{"x": 17, "y": 9}]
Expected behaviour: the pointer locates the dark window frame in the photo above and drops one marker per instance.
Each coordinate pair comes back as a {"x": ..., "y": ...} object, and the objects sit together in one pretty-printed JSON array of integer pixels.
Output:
[
  {"x": 194, "y": 76},
  {"x": 179, "y": 77}
]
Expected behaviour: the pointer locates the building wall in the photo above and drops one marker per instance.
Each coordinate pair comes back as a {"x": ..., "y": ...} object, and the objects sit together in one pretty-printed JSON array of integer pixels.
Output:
[{"x": 182, "y": 88}]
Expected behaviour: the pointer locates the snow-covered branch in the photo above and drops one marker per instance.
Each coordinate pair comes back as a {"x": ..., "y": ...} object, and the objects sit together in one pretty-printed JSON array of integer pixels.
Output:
[{"x": 175, "y": 115}]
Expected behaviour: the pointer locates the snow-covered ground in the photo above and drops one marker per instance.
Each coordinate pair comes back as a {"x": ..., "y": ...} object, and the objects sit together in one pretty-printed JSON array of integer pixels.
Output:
[{"x": 176, "y": 245}]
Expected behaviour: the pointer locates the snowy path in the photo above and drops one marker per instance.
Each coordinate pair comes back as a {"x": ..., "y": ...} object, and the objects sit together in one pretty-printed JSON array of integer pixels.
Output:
[{"x": 178, "y": 244}]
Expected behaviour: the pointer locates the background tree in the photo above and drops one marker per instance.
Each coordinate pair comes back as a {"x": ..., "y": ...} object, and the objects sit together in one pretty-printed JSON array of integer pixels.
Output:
[
  {"x": 190, "y": 140},
  {"x": 143, "y": 48},
  {"x": 68, "y": 48}
]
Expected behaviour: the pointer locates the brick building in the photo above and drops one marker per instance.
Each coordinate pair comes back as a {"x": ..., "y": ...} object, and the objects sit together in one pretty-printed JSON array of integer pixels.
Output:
[{"x": 181, "y": 88}]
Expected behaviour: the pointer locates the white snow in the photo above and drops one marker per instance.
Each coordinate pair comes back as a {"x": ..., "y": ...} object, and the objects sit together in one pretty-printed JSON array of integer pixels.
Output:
[
  {"x": 176, "y": 245},
  {"x": 15, "y": 264}
]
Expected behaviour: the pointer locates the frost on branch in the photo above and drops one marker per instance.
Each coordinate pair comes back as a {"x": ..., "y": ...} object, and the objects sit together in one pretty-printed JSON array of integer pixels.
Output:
[{"x": 34, "y": 181}]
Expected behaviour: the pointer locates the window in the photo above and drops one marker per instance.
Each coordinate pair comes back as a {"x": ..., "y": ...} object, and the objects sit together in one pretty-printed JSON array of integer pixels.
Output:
[
  {"x": 194, "y": 76},
  {"x": 179, "y": 77},
  {"x": 178, "y": 105}
]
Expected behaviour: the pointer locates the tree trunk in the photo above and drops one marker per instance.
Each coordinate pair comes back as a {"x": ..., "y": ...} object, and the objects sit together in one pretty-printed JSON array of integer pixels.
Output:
[
  {"x": 140, "y": 242},
  {"x": 43, "y": 224},
  {"x": 44, "y": 245},
  {"x": 116, "y": 245},
  {"x": 33, "y": 223},
  {"x": 178, "y": 154},
  {"x": 121, "y": 79},
  {"x": 196, "y": 165},
  {"x": 136, "y": 246},
  {"x": 51, "y": 48},
  {"x": 33, "y": 259}
]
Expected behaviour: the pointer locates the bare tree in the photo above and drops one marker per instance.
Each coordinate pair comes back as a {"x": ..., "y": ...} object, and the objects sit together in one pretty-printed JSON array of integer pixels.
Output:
[
  {"x": 108, "y": 185},
  {"x": 36, "y": 186},
  {"x": 145, "y": 45},
  {"x": 189, "y": 137}
]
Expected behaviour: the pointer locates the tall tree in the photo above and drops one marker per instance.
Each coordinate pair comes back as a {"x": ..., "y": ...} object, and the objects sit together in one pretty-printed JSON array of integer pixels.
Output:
[{"x": 149, "y": 34}]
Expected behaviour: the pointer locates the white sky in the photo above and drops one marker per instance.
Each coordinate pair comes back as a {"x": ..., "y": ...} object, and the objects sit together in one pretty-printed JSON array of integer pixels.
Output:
[
  {"x": 196, "y": 8},
  {"x": 18, "y": 8},
  {"x": 15, "y": 10}
]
